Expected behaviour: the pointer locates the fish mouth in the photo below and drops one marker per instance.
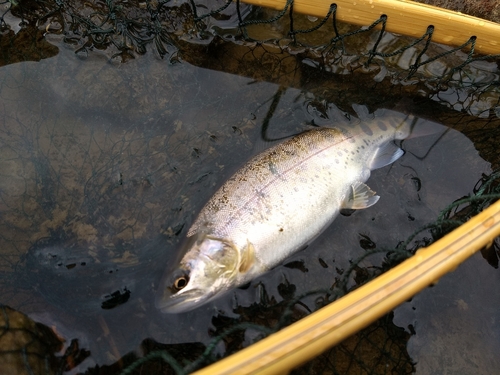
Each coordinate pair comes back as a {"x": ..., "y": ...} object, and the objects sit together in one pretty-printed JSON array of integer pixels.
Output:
[{"x": 182, "y": 302}]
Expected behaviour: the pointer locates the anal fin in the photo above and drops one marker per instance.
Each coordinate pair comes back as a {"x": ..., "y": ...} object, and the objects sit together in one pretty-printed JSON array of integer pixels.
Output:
[{"x": 360, "y": 196}]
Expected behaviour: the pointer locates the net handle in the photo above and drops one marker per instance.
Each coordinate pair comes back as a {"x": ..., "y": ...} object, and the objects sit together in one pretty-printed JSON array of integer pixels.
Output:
[
  {"x": 406, "y": 18},
  {"x": 309, "y": 337}
]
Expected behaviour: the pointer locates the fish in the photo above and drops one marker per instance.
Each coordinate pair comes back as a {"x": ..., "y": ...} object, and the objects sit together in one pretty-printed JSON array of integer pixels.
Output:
[{"x": 278, "y": 203}]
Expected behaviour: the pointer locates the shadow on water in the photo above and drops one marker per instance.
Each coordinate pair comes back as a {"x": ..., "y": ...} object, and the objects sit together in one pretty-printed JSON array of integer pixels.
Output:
[{"x": 104, "y": 164}]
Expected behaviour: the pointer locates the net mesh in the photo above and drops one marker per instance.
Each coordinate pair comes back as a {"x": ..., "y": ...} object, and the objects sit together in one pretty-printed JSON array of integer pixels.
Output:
[{"x": 281, "y": 47}]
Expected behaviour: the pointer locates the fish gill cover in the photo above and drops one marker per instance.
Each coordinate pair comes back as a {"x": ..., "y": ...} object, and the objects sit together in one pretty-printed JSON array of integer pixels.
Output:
[{"x": 111, "y": 142}]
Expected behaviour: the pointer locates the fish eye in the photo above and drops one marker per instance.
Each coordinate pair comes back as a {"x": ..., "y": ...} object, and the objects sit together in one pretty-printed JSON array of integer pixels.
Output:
[{"x": 181, "y": 282}]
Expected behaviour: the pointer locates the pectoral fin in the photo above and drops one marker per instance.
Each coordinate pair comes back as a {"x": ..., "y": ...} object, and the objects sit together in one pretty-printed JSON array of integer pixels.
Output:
[
  {"x": 359, "y": 197},
  {"x": 247, "y": 257}
]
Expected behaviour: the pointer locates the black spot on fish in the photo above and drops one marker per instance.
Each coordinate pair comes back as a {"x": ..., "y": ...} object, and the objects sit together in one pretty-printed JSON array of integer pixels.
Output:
[
  {"x": 366, "y": 129},
  {"x": 382, "y": 125}
]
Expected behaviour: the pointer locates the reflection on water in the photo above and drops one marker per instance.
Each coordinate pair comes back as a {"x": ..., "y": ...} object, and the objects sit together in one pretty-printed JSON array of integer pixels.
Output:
[{"x": 104, "y": 166}]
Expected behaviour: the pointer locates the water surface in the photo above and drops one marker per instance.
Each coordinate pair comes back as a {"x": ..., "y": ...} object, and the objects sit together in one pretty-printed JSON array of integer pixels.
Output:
[{"x": 105, "y": 164}]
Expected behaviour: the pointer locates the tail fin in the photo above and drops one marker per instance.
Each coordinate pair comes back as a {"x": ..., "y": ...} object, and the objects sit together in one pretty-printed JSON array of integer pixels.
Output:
[{"x": 421, "y": 127}]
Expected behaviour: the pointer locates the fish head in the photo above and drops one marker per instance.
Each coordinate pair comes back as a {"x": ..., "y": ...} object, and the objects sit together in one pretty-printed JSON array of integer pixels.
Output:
[{"x": 207, "y": 269}]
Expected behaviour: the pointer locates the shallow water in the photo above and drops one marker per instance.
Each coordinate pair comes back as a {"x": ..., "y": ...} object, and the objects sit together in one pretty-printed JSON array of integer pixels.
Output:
[
  {"x": 104, "y": 166},
  {"x": 99, "y": 179}
]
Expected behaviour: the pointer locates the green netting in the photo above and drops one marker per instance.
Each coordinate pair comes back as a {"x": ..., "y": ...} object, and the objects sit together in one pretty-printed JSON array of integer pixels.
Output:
[
  {"x": 90, "y": 211},
  {"x": 131, "y": 27}
]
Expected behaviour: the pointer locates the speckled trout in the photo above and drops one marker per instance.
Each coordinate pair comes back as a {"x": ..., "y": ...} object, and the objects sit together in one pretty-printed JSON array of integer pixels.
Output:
[{"x": 277, "y": 203}]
